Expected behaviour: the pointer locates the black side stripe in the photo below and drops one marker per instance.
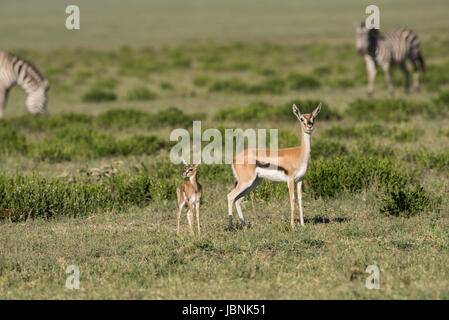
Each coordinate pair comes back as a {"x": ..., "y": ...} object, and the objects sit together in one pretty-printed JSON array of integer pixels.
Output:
[{"x": 267, "y": 165}]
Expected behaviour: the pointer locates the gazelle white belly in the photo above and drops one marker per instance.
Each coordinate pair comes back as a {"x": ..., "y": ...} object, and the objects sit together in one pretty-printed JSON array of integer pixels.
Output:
[
  {"x": 300, "y": 172},
  {"x": 272, "y": 175}
]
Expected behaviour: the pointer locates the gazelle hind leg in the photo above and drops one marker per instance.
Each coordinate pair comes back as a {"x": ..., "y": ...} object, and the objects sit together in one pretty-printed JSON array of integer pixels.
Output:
[
  {"x": 179, "y": 215},
  {"x": 239, "y": 192},
  {"x": 243, "y": 193}
]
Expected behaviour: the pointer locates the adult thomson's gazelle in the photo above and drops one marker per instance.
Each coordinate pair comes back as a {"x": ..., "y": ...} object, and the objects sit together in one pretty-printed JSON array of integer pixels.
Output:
[
  {"x": 189, "y": 192},
  {"x": 288, "y": 165}
]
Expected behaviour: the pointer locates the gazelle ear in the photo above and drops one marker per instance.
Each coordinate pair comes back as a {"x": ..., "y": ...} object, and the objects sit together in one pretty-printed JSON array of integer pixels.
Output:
[
  {"x": 184, "y": 161},
  {"x": 296, "y": 111},
  {"x": 316, "y": 111}
]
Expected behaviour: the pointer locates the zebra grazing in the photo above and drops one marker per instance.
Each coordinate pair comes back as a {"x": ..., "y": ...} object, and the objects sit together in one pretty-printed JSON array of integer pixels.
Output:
[
  {"x": 16, "y": 70},
  {"x": 385, "y": 49}
]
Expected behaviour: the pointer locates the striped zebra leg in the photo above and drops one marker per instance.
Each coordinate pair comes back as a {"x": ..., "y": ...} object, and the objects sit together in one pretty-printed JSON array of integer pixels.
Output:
[
  {"x": 406, "y": 75},
  {"x": 3, "y": 98},
  {"x": 386, "y": 69},
  {"x": 371, "y": 68},
  {"x": 415, "y": 75}
]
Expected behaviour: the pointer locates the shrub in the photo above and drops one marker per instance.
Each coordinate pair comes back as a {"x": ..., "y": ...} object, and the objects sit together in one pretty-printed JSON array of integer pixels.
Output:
[
  {"x": 298, "y": 81},
  {"x": 405, "y": 202},
  {"x": 99, "y": 95},
  {"x": 431, "y": 160},
  {"x": 328, "y": 177},
  {"x": 109, "y": 83},
  {"x": 165, "y": 85},
  {"x": 228, "y": 85},
  {"x": 11, "y": 141},
  {"x": 201, "y": 81},
  {"x": 182, "y": 62},
  {"x": 36, "y": 196},
  {"x": 327, "y": 149},
  {"x": 140, "y": 94},
  {"x": 443, "y": 99},
  {"x": 386, "y": 110},
  {"x": 73, "y": 142},
  {"x": 122, "y": 118},
  {"x": 272, "y": 85},
  {"x": 254, "y": 112}
]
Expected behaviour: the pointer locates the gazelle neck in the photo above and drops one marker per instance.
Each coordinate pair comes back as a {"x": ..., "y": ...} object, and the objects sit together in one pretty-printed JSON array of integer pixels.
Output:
[
  {"x": 305, "y": 146},
  {"x": 193, "y": 181}
]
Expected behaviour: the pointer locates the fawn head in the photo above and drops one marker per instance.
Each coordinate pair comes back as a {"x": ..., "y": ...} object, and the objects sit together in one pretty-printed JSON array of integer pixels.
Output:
[
  {"x": 307, "y": 120},
  {"x": 189, "y": 170}
]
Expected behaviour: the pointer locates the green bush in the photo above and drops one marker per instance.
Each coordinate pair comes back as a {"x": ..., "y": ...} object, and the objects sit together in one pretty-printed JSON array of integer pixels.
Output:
[
  {"x": 123, "y": 118},
  {"x": 442, "y": 100},
  {"x": 201, "y": 81},
  {"x": 254, "y": 112},
  {"x": 386, "y": 109},
  {"x": 328, "y": 177},
  {"x": 11, "y": 141},
  {"x": 140, "y": 94},
  {"x": 99, "y": 95},
  {"x": 327, "y": 149},
  {"x": 405, "y": 202},
  {"x": 228, "y": 85},
  {"x": 70, "y": 143},
  {"x": 22, "y": 197},
  {"x": 298, "y": 81},
  {"x": 431, "y": 160},
  {"x": 271, "y": 86}
]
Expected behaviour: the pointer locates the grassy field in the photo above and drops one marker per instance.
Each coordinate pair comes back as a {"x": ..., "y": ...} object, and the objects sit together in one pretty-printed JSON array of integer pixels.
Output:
[{"x": 92, "y": 185}]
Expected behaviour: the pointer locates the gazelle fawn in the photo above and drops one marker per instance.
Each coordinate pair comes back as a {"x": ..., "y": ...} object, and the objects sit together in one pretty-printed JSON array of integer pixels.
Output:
[
  {"x": 286, "y": 165},
  {"x": 189, "y": 192}
]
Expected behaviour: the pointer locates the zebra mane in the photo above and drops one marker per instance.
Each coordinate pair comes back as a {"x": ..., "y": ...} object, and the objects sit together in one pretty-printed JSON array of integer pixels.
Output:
[
  {"x": 32, "y": 70},
  {"x": 35, "y": 73}
]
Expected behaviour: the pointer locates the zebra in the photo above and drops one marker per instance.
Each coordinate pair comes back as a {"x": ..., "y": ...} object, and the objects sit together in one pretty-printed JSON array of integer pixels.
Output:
[
  {"x": 16, "y": 70},
  {"x": 385, "y": 49}
]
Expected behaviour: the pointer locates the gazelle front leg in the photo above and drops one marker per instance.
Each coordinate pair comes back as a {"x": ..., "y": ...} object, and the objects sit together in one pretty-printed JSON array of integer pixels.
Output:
[
  {"x": 198, "y": 216},
  {"x": 190, "y": 217},
  {"x": 291, "y": 191},
  {"x": 299, "y": 190}
]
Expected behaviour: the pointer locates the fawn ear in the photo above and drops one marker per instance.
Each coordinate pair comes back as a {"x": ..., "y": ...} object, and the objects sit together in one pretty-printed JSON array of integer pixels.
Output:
[
  {"x": 296, "y": 111},
  {"x": 316, "y": 111}
]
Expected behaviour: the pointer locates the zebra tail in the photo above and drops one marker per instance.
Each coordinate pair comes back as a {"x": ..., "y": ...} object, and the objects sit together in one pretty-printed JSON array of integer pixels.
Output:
[{"x": 421, "y": 61}]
